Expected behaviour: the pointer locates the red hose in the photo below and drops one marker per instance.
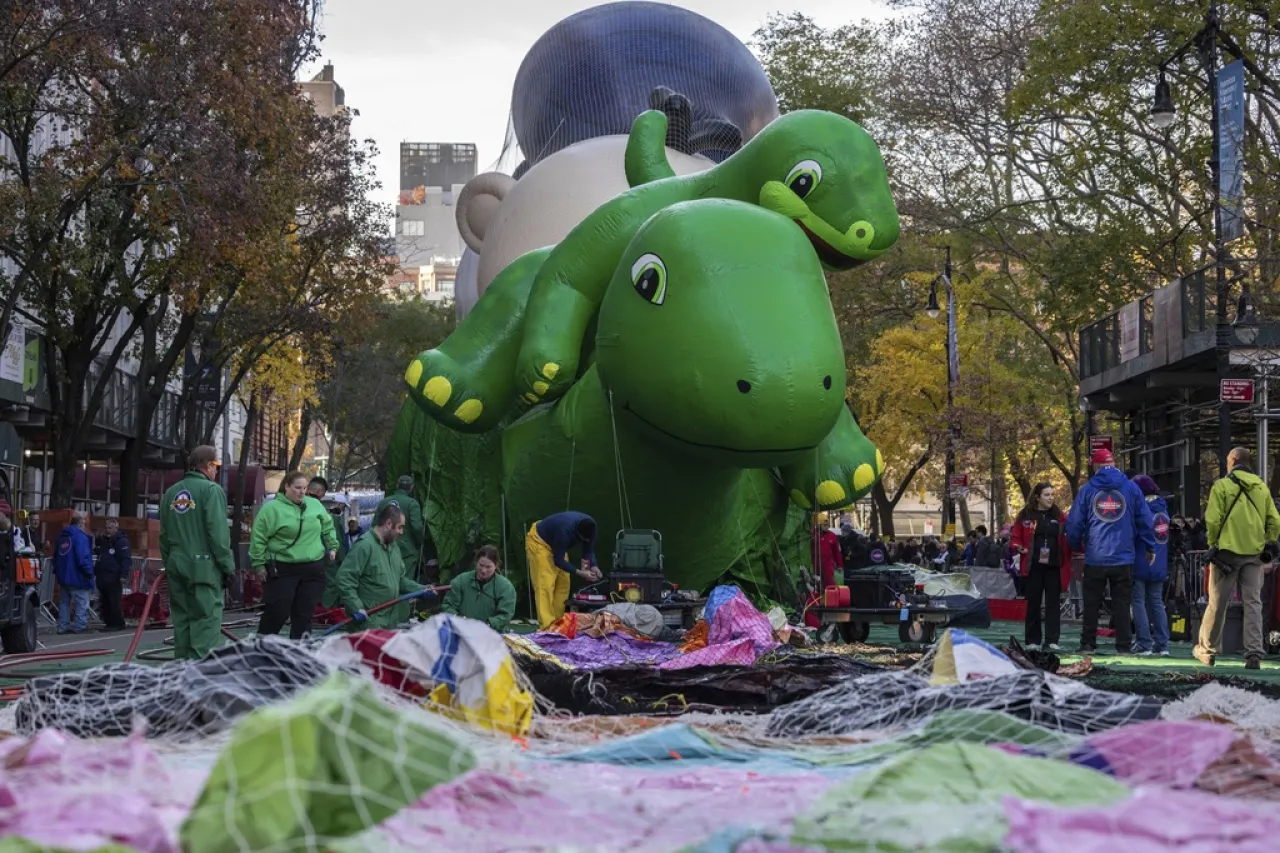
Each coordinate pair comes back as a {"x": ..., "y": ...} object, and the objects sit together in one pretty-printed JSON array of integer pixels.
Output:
[{"x": 146, "y": 611}]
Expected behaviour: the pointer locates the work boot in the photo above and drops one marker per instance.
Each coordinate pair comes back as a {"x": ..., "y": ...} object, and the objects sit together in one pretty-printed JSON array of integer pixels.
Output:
[
  {"x": 1087, "y": 650},
  {"x": 1252, "y": 663},
  {"x": 1203, "y": 656}
]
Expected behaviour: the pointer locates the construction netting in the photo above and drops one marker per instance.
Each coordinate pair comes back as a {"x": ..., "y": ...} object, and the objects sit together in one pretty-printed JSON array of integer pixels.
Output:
[{"x": 446, "y": 736}]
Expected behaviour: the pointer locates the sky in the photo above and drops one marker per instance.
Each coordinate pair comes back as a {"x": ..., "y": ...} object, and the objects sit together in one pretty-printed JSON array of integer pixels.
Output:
[{"x": 442, "y": 70}]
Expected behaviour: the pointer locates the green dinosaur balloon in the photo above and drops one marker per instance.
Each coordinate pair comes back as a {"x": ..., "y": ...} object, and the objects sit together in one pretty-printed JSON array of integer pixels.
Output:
[
  {"x": 818, "y": 169},
  {"x": 712, "y": 410}
]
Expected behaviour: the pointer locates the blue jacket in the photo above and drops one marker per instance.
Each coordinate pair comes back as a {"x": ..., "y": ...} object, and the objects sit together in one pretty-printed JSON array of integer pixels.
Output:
[
  {"x": 1110, "y": 515},
  {"x": 1158, "y": 571},
  {"x": 73, "y": 559},
  {"x": 560, "y": 532},
  {"x": 114, "y": 560}
]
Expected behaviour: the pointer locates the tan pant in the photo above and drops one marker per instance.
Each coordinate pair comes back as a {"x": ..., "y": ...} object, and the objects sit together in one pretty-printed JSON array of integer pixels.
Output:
[{"x": 1250, "y": 576}]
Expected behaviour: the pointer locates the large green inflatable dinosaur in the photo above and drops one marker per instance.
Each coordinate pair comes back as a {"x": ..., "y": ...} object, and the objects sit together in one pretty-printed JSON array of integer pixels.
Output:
[
  {"x": 817, "y": 169},
  {"x": 711, "y": 407}
]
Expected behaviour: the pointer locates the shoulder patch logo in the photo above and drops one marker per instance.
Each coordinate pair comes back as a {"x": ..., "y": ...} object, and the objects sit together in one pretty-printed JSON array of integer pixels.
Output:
[
  {"x": 1161, "y": 523},
  {"x": 182, "y": 502},
  {"x": 1109, "y": 506},
  {"x": 64, "y": 547}
]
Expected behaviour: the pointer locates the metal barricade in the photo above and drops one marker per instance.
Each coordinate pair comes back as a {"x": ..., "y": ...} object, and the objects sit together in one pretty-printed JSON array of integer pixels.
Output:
[{"x": 48, "y": 607}]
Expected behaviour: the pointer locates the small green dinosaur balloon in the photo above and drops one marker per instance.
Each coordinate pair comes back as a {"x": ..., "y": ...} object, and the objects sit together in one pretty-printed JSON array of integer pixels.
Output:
[{"x": 817, "y": 169}]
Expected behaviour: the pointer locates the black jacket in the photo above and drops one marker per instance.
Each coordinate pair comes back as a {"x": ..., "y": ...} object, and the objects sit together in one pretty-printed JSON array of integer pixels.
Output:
[{"x": 114, "y": 560}]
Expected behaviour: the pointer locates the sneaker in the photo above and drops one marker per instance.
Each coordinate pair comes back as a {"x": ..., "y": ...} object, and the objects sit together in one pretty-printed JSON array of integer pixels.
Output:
[
  {"x": 1252, "y": 663},
  {"x": 1145, "y": 653},
  {"x": 1054, "y": 647},
  {"x": 1031, "y": 647},
  {"x": 1204, "y": 657},
  {"x": 1164, "y": 653}
]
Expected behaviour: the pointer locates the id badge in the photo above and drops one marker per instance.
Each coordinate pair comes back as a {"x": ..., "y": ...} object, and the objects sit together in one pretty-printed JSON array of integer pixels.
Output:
[{"x": 1044, "y": 555}]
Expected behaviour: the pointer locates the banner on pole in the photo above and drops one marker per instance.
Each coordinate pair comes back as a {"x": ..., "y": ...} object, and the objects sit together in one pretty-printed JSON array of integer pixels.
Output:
[{"x": 1230, "y": 149}]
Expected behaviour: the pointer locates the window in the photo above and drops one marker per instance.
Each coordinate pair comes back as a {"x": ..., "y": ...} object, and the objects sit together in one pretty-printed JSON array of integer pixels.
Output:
[{"x": 413, "y": 228}]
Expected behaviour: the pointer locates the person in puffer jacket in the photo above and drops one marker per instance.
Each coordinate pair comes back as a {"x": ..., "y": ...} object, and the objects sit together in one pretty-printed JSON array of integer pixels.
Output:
[
  {"x": 1107, "y": 518},
  {"x": 73, "y": 567},
  {"x": 1150, "y": 621}
]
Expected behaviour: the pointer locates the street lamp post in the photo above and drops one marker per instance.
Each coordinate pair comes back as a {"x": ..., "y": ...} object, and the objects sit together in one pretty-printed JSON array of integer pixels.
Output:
[
  {"x": 1162, "y": 115},
  {"x": 953, "y": 376}
]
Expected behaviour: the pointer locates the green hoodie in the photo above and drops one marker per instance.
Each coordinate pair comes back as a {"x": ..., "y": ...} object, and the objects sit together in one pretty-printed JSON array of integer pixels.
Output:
[
  {"x": 291, "y": 533},
  {"x": 1252, "y": 523}
]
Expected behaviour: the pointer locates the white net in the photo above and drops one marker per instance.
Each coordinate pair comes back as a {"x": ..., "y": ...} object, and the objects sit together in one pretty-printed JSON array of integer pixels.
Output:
[{"x": 445, "y": 736}]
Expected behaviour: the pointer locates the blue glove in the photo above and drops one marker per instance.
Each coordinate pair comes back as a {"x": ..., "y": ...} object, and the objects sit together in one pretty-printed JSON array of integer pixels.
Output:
[
  {"x": 359, "y": 616},
  {"x": 426, "y": 592}
]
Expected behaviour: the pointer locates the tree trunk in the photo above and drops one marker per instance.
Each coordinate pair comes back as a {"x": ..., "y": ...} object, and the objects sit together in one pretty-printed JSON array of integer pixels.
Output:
[
  {"x": 962, "y": 505},
  {"x": 237, "y": 506},
  {"x": 884, "y": 509},
  {"x": 300, "y": 443},
  {"x": 130, "y": 465}
]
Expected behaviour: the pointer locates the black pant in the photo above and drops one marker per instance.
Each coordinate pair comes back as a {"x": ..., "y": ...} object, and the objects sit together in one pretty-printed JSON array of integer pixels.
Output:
[
  {"x": 291, "y": 596},
  {"x": 1044, "y": 584},
  {"x": 1096, "y": 579},
  {"x": 110, "y": 593}
]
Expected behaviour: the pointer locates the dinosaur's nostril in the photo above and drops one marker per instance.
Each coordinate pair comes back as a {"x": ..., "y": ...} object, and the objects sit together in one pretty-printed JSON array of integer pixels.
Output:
[
  {"x": 744, "y": 386},
  {"x": 826, "y": 382}
]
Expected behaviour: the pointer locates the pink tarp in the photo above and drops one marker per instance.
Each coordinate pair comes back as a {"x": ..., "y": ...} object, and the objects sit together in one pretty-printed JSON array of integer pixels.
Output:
[
  {"x": 74, "y": 794},
  {"x": 737, "y": 634},
  {"x": 1154, "y": 820},
  {"x": 593, "y": 806}
]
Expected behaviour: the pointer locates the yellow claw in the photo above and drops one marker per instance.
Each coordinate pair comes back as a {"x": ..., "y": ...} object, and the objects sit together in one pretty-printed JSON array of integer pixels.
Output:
[
  {"x": 830, "y": 493},
  {"x": 531, "y": 398},
  {"x": 550, "y": 370},
  {"x": 438, "y": 390},
  {"x": 800, "y": 499},
  {"x": 540, "y": 387},
  {"x": 469, "y": 411},
  {"x": 879, "y": 462},
  {"x": 863, "y": 477},
  {"x": 413, "y": 374}
]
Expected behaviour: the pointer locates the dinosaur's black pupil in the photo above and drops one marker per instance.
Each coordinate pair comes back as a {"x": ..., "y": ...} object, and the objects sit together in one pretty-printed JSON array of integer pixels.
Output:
[
  {"x": 801, "y": 184},
  {"x": 826, "y": 382},
  {"x": 647, "y": 283}
]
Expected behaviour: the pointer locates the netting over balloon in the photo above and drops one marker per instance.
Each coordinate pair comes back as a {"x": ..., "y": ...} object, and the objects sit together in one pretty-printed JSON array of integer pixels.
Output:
[{"x": 447, "y": 736}]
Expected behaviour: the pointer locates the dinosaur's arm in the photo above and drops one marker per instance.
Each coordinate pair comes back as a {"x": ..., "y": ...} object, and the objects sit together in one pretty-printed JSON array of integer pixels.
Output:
[
  {"x": 646, "y": 157},
  {"x": 843, "y": 469}
]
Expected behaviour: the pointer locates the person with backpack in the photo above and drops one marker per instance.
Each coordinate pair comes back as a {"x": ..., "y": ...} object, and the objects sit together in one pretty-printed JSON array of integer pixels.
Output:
[
  {"x": 1150, "y": 620},
  {"x": 1240, "y": 521},
  {"x": 1107, "y": 518}
]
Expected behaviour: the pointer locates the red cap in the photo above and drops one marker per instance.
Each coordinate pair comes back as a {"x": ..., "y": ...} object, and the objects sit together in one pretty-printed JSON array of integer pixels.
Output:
[{"x": 1102, "y": 456}]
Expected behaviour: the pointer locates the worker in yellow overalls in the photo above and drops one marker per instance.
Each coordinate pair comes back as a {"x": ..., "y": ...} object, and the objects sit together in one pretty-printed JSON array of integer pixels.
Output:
[{"x": 547, "y": 549}]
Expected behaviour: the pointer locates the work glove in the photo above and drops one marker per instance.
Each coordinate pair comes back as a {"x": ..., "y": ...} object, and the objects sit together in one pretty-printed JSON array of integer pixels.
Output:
[
  {"x": 359, "y": 616},
  {"x": 426, "y": 592}
]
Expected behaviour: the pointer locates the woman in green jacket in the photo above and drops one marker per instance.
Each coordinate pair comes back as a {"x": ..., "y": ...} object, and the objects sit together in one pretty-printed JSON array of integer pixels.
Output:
[
  {"x": 483, "y": 594},
  {"x": 291, "y": 537}
]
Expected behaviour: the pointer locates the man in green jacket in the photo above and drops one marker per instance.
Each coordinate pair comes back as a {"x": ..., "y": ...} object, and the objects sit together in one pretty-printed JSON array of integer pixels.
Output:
[
  {"x": 373, "y": 573},
  {"x": 414, "y": 532},
  {"x": 1241, "y": 520},
  {"x": 195, "y": 548},
  {"x": 483, "y": 594}
]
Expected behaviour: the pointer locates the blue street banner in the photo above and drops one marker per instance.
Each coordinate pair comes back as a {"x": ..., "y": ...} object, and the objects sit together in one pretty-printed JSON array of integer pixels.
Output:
[{"x": 1231, "y": 150}]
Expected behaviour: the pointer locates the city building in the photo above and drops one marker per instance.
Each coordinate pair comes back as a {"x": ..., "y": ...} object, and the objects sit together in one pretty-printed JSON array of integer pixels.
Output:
[
  {"x": 432, "y": 175},
  {"x": 325, "y": 95}
]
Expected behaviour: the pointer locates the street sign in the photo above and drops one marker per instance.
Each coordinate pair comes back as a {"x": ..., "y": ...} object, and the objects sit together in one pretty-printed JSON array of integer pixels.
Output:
[
  {"x": 958, "y": 481},
  {"x": 1100, "y": 442},
  {"x": 1236, "y": 391}
]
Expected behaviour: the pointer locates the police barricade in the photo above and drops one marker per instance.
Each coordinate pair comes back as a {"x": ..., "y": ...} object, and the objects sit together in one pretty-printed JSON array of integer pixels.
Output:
[
  {"x": 48, "y": 607},
  {"x": 142, "y": 576}
]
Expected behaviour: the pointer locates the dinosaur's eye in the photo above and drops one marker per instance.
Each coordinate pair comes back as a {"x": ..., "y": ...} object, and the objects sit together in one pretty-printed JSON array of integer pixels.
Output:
[
  {"x": 804, "y": 177},
  {"x": 649, "y": 276}
]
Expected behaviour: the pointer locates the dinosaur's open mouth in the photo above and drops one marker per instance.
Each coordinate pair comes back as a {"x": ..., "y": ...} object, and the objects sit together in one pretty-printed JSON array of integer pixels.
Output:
[
  {"x": 626, "y": 407},
  {"x": 827, "y": 253}
]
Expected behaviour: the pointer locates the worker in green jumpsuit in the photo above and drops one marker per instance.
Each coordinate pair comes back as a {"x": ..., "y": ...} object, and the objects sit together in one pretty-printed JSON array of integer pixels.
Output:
[
  {"x": 195, "y": 549},
  {"x": 373, "y": 573},
  {"x": 411, "y": 542}
]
